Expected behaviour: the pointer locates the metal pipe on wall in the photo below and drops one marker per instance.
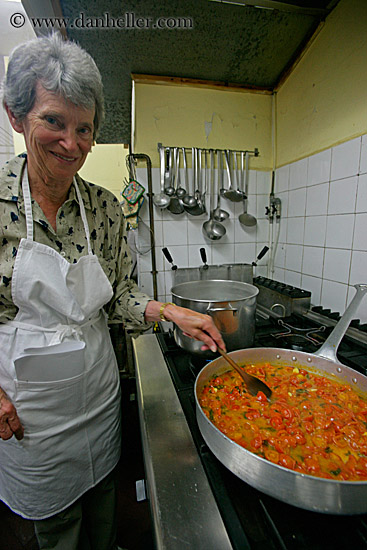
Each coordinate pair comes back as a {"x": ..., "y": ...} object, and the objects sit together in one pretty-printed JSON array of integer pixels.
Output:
[{"x": 146, "y": 158}]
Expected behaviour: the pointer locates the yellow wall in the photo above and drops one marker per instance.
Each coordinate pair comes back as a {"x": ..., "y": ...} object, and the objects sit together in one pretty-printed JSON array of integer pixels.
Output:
[
  {"x": 197, "y": 117},
  {"x": 105, "y": 166},
  {"x": 324, "y": 101}
]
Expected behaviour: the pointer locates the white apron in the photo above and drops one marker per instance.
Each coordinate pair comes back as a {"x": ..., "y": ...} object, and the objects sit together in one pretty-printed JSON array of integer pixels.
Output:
[{"x": 58, "y": 367}]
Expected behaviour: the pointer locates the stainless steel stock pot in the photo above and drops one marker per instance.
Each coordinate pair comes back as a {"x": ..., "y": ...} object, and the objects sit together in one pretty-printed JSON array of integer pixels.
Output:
[{"x": 231, "y": 304}]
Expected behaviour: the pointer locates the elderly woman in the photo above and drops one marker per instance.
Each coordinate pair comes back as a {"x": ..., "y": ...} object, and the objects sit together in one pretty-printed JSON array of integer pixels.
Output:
[{"x": 64, "y": 272}]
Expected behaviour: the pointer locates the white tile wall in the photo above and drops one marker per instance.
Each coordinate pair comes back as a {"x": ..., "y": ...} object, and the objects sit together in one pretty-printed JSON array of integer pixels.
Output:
[
  {"x": 323, "y": 233},
  {"x": 313, "y": 260},
  {"x": 297, "y": 202},
  {"x": 295, "y": 230},
  {"x": 339, "y": 231},
  {"x": 298, "y": 174},
  {"x": 315, "y": 230},
  {"x": 363, "y": 159},
  {"x": 361, "y": 205},
  {"x": 319, "y": 168},
  {"x": 345, "y": 159},
  {"x": 342, "y": 196},
  {"x": 323, "y": 230},
  {"x": 360, "y": 235},
  {"x": 317, "y": 199},
  {"x": 183, "y": 234}
]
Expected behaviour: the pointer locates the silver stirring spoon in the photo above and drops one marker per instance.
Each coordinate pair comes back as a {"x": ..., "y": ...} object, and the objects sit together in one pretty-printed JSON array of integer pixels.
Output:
[
  {"x": 219, "y": 214},
  {"x": 161, "y": 200},
  {"x": 170, "y": 189},
  {"x": 180, "y": 191},
  {"x": 199, "y": 208},
  {"x": 213, "y": 229},
  {"x": 189, "y": 200},
  {"x": 200, "y": 193},
  {"x": 231, "y": 194},
  {"x": 246, "y": 219},
  {"x": 176, "y": 206},
  {"x": 237, "y": 177}
]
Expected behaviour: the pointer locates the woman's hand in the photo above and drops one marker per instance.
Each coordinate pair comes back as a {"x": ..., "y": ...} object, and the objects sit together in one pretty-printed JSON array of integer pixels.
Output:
[
  {"x": 9, "y": 422},
  {"x": 193, "y": 324}
]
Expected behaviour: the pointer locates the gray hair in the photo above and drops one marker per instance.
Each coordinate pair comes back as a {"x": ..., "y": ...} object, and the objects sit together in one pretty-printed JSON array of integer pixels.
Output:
[{"x": 62, "y": 67}]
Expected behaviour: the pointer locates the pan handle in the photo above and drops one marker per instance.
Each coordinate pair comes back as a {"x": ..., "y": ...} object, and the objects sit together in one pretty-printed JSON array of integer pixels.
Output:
[
  {"x": 330, "y": 346},
  {"x": 216, "y": 309},
  {"x": 203, "y": 255},
  {"x": 226, "y": 319},
  {"x": 260, "y": 255},
  {"x": 169, "y": 257}
]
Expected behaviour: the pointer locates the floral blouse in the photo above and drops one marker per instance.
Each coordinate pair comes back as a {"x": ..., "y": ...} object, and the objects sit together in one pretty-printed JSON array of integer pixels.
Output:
[{"x": 108, "y": 239}]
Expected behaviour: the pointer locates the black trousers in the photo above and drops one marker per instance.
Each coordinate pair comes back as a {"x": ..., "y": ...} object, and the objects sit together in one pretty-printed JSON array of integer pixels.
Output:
[{"x": 88, "y": 524}]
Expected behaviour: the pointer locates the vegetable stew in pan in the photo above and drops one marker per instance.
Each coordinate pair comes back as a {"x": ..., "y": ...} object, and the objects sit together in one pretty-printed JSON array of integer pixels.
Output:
[{"x": 313, "y": 425}]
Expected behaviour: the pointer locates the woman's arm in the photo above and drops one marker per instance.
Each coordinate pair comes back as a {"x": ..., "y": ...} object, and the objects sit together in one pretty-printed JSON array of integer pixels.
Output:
[{"x": 194, "y": 324}]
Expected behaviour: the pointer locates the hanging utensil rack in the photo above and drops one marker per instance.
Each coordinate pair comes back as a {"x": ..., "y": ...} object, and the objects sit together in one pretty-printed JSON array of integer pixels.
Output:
[{"x": 254, "y": 152}]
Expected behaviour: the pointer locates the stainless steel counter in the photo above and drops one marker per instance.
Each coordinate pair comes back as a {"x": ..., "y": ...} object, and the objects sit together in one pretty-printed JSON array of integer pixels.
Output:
[{"x": 184, "y": 511}]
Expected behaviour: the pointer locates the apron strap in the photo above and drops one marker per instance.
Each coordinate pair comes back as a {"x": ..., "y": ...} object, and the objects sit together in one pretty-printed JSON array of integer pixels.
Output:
[
  {"x": 84, "y": 216},
  {"x": 29, "y": 215},
  {"x": 60, "y": 331},
  {"x": 27, "y": 205}
]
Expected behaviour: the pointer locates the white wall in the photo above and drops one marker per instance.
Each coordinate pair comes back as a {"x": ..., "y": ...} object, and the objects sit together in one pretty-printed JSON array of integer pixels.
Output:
[
  {"x": 183, "y": 235},
  {"x": 323, "y": 233},
  {"x": 6, "y": 135},
  {"x": 323, "y": 229}
]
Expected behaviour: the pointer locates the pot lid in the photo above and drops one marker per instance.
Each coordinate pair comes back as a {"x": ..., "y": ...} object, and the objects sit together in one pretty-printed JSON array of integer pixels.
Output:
[{"x": 214, "y": 291}]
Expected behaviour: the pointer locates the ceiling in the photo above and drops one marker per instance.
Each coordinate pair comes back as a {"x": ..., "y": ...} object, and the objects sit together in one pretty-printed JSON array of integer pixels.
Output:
[{"x": 230, "y": 43}]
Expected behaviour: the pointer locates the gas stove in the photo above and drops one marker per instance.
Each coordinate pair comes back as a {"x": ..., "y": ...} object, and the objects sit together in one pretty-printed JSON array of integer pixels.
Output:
[
  {"x": 252, "y": 520},
  {"x": 296, "y": 332}
]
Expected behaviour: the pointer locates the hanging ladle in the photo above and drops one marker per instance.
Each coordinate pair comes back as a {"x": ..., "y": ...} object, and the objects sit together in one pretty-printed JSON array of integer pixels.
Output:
[
  {"x": 219, "y": 214},
  {"x": 170, "y": 188},
  {"x": 253, "y": 384},
  {"x": 200, "y": 192},
  {"x": 175, "y": 206},
  {"x": 181, "y": 191},
  {"x": 198, "y": 208},
  {"x": 188, "y": 200},
  {"x": 239, "y": 181},
  {"x": 246, "y": 219},
  {"x": 213, "y": 229},
  {"x": 162, "y": 200},
  {"x": 231, "y": 194}
]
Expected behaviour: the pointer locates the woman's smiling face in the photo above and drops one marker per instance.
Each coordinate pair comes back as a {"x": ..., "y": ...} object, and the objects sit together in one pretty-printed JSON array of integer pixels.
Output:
[{"x": 58, "y": 136}]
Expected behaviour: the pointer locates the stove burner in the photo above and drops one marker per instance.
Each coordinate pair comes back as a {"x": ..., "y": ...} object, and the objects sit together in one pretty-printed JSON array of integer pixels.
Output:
[
  {"x": 196, "y": 363},
  {"x": 300, "y": 334},
  {"x": 253, "y": 519}
]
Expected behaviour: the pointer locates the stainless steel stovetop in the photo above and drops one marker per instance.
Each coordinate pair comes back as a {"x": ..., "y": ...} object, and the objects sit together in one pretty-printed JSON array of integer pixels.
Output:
[{"x": 195, "y": 501}]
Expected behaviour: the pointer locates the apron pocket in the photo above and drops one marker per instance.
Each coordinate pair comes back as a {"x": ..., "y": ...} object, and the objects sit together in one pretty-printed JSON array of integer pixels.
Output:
[
  {"x": 51, "y": 363},
  {"x": 102, "y": 381},
  {"x": 41, "y": 405}
]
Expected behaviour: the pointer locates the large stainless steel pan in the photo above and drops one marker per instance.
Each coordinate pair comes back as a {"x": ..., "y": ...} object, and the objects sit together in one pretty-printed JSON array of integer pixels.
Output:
[{"x": 304, "y": 491}]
